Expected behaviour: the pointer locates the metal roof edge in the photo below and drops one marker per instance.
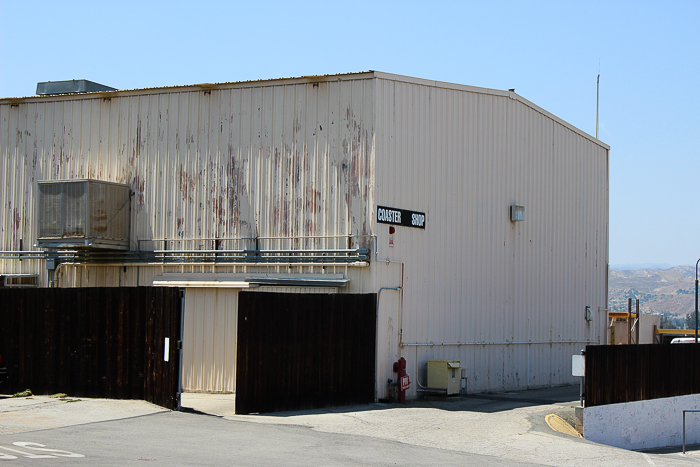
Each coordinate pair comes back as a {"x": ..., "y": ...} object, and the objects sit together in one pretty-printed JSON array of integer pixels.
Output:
[
  {"x": 494, "y": 92},
  {"x": 191, "y": 87},
  {"x": 568, "y": 125},
  {"x": 371, "y": 74},
  {"x": 439, "y": 84}
]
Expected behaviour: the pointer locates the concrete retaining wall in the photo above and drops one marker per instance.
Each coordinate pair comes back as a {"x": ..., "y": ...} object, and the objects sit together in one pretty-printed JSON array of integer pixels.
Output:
[{"x": 644, "y": 424}]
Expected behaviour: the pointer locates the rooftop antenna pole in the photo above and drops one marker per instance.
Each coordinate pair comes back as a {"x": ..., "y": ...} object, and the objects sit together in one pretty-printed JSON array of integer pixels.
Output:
[{"x": 597, "y": 89}]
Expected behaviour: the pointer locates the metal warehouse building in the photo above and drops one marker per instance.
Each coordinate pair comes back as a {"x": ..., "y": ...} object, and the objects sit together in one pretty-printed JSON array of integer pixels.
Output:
[{"x": 442, "y": 221}]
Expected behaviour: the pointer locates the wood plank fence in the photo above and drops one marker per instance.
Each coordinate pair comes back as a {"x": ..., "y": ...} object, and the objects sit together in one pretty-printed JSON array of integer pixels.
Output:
[
  {"x": 628, "y": 373},
  {"x": 92, "y": 342},
  {"x": 299, "y": 351}
]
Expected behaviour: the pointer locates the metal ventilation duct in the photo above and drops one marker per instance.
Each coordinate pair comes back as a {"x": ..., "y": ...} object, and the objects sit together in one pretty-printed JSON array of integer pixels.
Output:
[{"x": 70, "y": 87}]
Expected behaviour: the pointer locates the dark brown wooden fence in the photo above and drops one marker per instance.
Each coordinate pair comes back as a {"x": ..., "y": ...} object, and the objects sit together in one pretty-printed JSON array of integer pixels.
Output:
[
  {"x": 92, "y": 342},
  {"x": 627, "y": 373},
  {"x": 299, "y": 351}
]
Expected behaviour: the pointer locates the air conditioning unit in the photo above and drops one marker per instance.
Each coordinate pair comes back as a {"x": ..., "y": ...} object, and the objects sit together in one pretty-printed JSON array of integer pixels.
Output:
[
  {"x": 84, "y": 214},
  {"x": 444, "y": 374}
]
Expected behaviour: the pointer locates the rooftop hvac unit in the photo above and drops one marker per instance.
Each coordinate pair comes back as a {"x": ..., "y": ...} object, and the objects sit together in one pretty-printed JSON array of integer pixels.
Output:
[
  {"x": 70, "y": 87},
  {"x": 84, "y": 213}
]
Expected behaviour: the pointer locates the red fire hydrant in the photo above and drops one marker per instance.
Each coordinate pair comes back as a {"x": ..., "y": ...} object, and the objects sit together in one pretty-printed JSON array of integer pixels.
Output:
[{"x": 404, "y": 383}]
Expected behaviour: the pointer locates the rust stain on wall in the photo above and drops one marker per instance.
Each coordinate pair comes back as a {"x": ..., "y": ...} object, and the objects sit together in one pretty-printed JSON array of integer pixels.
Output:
[
  {"x": 268, "y": 161},
  {"x": 16, "y": 219}
]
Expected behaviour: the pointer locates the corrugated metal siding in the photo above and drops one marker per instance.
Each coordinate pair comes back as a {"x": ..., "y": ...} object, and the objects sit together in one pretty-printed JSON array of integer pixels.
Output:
[
  {"x": 210, "y": 336},
  {"x": 20, "y": 150},
  {"x": 290, "y": 158},
  {"x": 473, "y": 277},
  {"x": 274, "y": 160},
  {"x": 209, "y": 340},
  {"x": 102, "y": 276}
]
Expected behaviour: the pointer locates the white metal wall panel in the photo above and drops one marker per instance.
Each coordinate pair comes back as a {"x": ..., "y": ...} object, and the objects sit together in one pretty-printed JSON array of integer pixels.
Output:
[
  {"x": 19, "y": 154},
  {"x": 209, "y": 340},
  {"x": 314, "y": 157},
  {"x": 274, "y": 159},
  {"x": 360, "y": 280},
  {"x": 389, "y": 318},
  {"x": 507, "y": 299},
  {"x": 210, "y": 336}
]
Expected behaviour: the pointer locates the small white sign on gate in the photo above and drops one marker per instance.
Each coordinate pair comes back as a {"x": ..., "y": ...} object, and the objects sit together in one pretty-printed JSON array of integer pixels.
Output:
[{"x": 578, "y": 365}]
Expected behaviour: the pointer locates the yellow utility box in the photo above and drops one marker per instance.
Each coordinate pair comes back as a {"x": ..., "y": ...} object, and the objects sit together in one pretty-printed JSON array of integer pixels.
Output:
[{"x": 444, "y": 374}]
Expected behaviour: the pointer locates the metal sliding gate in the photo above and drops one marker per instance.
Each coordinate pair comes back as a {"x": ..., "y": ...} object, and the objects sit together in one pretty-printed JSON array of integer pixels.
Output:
[{"x": 300, "y": 351}]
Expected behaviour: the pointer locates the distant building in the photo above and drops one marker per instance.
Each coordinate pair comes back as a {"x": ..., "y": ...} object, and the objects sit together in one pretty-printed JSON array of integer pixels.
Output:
[{"x": 478, "y": 220}]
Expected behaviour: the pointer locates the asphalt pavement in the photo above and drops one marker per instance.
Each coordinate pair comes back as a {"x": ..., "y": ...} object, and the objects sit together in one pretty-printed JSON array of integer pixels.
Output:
[{"x": 493, "y": 429}]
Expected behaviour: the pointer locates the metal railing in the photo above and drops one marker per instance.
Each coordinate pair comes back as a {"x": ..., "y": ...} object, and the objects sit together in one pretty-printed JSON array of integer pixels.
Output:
[
  {"x": 258, "y": 250},
  {"x": 195, "y": 256}
]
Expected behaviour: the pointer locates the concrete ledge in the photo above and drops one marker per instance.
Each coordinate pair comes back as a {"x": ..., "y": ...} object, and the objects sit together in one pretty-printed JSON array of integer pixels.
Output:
[
  {"x": 644, "y": 424},
  {"x": 23, "y": 414}
]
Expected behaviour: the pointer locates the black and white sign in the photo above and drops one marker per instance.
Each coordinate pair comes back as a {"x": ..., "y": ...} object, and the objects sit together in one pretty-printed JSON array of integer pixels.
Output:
[{"x": 402, "y": 217}]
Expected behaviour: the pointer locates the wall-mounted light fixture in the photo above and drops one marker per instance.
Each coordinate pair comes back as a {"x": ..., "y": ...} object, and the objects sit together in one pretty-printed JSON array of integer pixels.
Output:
[{"x": 517, "y": 213}]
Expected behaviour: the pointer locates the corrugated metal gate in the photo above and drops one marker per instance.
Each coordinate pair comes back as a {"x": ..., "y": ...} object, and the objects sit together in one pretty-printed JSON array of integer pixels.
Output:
[
  {"x": 299, "y": 351},
  {"x": 92, "y": 342}
]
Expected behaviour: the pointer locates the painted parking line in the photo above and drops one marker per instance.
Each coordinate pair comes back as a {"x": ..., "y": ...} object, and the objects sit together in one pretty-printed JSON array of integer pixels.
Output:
[{"x": 31, "y": 450}]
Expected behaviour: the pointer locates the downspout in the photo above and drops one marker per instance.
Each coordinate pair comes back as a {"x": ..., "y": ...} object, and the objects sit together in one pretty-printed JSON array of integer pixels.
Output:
[
  {"x": 179, "y": 346},
  {"x": 529, "y": 341},
  {"x": 376, "y": 338}
]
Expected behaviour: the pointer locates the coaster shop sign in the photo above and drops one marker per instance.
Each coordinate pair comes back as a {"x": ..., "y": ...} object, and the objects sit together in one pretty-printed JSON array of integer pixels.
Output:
[{"x": 402, "y": 217}]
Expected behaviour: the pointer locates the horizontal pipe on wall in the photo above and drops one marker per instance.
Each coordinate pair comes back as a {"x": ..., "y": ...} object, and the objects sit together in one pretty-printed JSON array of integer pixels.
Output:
[
  {"x": 195, "y": 256},
  {"x": 454, "y": 344},
  {"x": 234, "y": 259},
  {"x": 355, "y": 264},
  {"x": 160, "y": 240},
  {"x": 354, "y": 250},
  {"x": 250, "y": 238}
]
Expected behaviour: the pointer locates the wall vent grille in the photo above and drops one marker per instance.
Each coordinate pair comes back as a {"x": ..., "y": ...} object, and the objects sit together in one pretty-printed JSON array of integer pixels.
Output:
[{"x": 20, "y": 280}]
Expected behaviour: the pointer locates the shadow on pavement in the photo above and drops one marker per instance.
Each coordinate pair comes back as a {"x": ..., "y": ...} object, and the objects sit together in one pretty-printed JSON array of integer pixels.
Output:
[
  {"x": 498, "y": 402},
  {"x": 483, "y": 403}
]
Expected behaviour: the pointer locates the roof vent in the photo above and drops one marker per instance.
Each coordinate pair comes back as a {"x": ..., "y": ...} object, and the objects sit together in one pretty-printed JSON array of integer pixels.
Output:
[{"x": 70, "y": 87}]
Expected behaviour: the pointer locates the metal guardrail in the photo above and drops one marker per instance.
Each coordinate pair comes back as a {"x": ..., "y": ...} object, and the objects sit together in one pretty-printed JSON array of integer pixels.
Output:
[
  {"x": 320, "y": 256},
  {"x": 684, "y": 426}
]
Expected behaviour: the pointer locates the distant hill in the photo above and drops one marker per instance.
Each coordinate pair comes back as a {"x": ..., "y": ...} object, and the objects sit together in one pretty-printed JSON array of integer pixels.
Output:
[
  {"x": 670, "y": 292},
  {"x": 630, "y": 267}
]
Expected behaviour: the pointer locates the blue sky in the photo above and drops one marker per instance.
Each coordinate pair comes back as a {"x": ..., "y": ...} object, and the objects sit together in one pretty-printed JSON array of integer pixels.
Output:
[{"x": 648, "y": 55}]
